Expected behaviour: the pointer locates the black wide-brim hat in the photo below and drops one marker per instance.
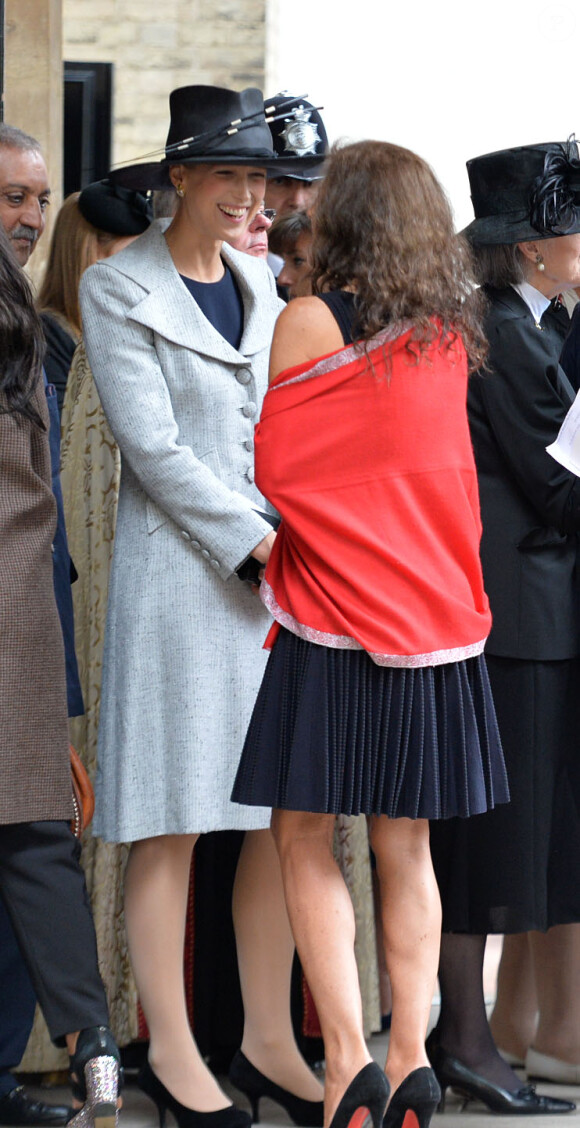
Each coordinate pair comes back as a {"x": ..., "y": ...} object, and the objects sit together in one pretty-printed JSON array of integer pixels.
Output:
[
  {"x": 116, "y": 210},
  {"x": 298, "y": 135},
  {"x": 524, "y": 194},
  {"x": 209, "y": 125}
]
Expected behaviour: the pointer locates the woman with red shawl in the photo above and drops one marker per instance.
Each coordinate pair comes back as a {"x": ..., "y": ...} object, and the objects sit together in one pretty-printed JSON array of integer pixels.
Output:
[{"x": 376, "y": 697}]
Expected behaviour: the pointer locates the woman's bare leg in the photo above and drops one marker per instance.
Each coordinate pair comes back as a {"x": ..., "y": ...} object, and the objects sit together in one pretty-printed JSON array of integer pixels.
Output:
[
  {"x": 322, "y": 920},
  {"x": 514, "y": 1018},
  {"x": 265, "y": 948},
  {"x": 411, "y": 917},
  {"x": 156, "y": 893}
]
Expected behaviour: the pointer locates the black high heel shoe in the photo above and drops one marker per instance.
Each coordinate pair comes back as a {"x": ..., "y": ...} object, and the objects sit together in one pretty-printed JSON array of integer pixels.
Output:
[
  {"x": 96, "y": 1078},
  {"x": 230, "y": 1117},
  {"x": 412, "y": 1105},
  {"x": 368, "y": 1092},
  {"x": 255, "y": 1085},
  {"x": 452, "y": 1073}
]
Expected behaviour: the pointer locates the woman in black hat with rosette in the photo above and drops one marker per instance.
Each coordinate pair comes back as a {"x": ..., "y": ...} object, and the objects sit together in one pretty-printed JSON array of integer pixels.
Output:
[
  {"x": 178, "y": 329},
  {"x": 516, "y": 869}
]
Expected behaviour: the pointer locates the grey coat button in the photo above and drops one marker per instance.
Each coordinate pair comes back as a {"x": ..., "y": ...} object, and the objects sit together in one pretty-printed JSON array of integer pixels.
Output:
[
  {"x": 195, "y": 544},
  {"x": 249, "y": 444},
  {"x": 243, "y": 376},
  {"x": 185, "y": 534},
  {"x": 205, "y": 553},
  {"x": 215, "y": 564},
  {"x": 249, "y": 410},
  {"x": 250, "y": 473}
]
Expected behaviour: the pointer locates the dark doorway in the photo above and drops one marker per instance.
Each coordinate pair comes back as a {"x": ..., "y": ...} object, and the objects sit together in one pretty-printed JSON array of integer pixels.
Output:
[{"x": 87, "y": 123}]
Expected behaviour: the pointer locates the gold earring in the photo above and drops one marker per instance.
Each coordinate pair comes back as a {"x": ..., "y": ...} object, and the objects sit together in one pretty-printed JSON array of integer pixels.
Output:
[
  {"x": 539, "y": 263},
  {"x": 180, "y": 190}
]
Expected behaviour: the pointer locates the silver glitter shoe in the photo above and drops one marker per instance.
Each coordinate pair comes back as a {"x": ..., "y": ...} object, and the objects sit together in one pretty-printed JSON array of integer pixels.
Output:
[{"x": 96, "y": 1079}]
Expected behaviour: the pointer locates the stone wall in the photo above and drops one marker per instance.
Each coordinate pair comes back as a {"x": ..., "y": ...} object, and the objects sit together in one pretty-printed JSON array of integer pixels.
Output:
[
  {"x": 157, "y": 46},
  {"x": 33, "y": 91}
]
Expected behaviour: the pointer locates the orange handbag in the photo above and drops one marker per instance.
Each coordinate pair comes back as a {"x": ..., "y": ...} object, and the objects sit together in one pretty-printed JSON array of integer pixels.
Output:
[{"x": 83, "y": 794}]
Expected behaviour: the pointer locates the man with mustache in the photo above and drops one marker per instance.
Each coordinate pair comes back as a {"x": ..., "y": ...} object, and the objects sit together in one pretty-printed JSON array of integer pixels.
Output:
[
  {"x": 24, "y": 199},
  {"x": 24, "y": 190}
]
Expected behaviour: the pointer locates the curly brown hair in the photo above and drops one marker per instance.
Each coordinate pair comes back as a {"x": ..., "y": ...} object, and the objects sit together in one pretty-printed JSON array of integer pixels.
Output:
[{"x": 383, "y": 227}]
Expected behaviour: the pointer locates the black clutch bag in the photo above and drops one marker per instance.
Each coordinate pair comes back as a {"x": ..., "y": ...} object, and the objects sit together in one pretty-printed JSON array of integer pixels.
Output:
[{"x": 250, "y": 569}]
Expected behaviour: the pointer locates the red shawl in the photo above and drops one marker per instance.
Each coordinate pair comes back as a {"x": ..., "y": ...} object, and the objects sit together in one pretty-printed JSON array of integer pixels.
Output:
[{"x": 372, "y": 471}]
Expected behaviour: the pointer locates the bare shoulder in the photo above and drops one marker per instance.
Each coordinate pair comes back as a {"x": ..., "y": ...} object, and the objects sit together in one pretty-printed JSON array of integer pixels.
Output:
[{"x": 306, "y": 329}]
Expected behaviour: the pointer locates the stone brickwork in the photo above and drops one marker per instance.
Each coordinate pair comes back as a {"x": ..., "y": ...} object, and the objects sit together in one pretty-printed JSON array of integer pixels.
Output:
[{"x": 157, "y": 45}]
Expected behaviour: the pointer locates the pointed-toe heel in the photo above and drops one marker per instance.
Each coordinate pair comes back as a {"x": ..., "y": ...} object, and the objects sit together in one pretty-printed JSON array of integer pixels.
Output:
[
  {"x": 412, "y": 1105},
  {"x": 453, "y": 1074},
  {"x": 255, "y": 1085},
  {"x": 230, "y": 1117},
  {"x": 367, "y": 1093}
]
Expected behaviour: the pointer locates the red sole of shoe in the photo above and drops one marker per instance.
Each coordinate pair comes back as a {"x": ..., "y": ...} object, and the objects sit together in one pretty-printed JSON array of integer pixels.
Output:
[
  {"x": 359, "y": 1118},
  {"x": 411, "y": 1119}
]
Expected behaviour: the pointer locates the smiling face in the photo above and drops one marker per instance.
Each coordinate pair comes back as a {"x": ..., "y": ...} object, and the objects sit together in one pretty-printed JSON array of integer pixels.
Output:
[
  {"x": 218, "y": 201},
  {"x": 24, "y": 198}
]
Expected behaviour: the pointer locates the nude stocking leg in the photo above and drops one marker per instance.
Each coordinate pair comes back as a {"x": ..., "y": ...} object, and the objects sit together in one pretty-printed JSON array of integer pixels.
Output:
[
  {"x": 514, "y": 1018},
  {"x": 556, "y": 963},
  {"x": 322, "y": 920},
  {"x": 156, "y": 891},
  {"x": 265, "y": 949}
]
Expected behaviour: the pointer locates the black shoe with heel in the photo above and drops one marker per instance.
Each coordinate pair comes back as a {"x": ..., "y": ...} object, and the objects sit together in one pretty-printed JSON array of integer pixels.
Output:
[
  {"x": 452, "y": 1073},
  {"x": 255, "y": 1085},
  {"x": 412, "y": 1105},
  {"x": 367, "y": 1093},
  {"x": 230, "y": 1117}
]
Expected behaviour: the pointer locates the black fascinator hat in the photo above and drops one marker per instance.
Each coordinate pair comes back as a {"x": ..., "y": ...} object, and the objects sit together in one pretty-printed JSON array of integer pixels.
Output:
[
  {"x": 209, "y": 124},
  {"x": 528, "y": 193},
  {"x": 299, "y": 137},
  {"x": 116, "y": 210}
]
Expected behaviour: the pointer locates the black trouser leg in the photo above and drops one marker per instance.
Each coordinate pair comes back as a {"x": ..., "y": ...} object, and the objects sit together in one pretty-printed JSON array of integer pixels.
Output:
[
  {"x": 17, "y": 1006},
  {"x": 44, "y": 890}
]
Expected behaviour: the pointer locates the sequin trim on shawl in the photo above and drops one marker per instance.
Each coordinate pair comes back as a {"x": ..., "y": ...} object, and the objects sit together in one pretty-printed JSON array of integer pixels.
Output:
[
  {"x": 345, "y": 642},
  {"x": 345, "y": 356}
]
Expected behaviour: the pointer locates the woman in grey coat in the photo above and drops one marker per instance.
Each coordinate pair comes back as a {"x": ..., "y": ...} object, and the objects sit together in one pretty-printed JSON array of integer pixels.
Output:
[{"x": 178, "y": 328}]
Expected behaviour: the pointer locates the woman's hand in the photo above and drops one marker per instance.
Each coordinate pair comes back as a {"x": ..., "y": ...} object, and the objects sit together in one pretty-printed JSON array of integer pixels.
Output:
[
  {"x": 261, "y": 552},
  {"x": 263, "y": 549}
]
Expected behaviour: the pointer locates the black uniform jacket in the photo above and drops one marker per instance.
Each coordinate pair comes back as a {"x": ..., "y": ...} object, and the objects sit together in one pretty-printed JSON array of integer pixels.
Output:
[
  {"x": 530, "y": 505},
  {"x": 571, "y": 352}
]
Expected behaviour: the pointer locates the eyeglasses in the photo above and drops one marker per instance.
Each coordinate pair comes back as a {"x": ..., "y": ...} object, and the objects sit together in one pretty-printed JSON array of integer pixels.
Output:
[{"x": 270, "y": 213}]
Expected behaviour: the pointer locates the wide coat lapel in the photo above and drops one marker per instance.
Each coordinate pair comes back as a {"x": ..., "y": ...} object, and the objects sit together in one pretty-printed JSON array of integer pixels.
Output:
[{"x": 169, "y": 309}]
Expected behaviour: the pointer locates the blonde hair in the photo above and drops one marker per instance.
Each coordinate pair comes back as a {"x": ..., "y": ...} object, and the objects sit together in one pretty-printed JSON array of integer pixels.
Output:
[{"x": 72, "y": 249}]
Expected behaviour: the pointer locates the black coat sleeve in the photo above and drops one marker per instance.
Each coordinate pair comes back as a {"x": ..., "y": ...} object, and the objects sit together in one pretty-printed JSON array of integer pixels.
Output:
[
  {"x": 525, "y": 405},
  {"x": 570, "y": 359}
]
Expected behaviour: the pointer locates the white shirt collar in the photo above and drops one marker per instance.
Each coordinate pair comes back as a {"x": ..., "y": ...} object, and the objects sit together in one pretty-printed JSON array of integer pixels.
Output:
[{"x": 536, "y": 302}]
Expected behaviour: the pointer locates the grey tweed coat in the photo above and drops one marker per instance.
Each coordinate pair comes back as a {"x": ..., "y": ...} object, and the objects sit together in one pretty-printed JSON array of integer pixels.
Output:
[
  {"x": 183, "y": 654},
  {"x": 35, "y": 781}
]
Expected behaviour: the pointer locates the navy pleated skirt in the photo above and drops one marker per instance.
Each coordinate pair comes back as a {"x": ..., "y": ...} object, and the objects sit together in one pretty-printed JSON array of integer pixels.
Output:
[{"x": 332, "y": 732}]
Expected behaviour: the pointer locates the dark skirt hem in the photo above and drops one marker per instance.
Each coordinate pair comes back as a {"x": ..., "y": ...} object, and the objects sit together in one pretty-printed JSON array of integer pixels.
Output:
[{"x": 334, "y": 733}]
